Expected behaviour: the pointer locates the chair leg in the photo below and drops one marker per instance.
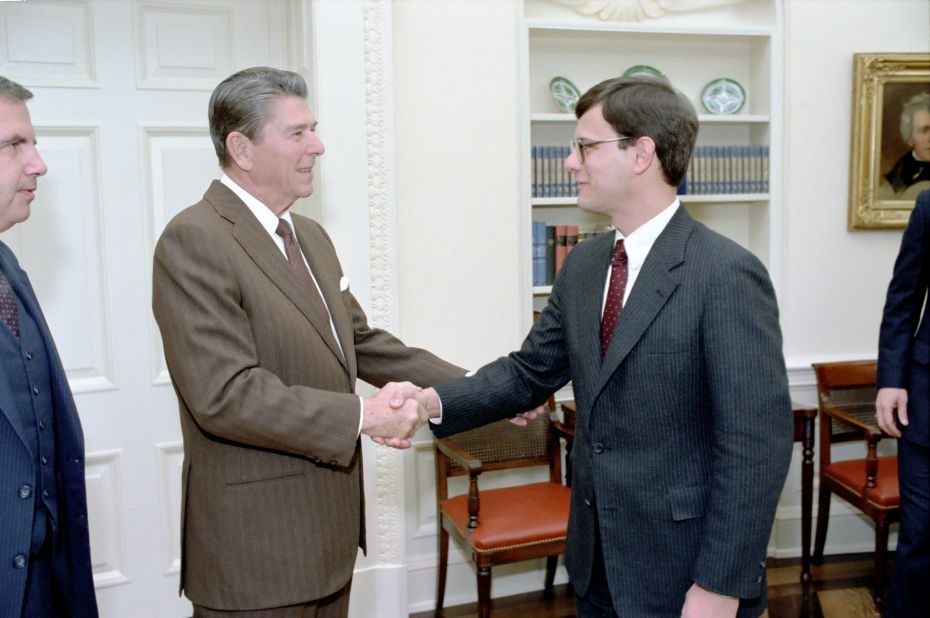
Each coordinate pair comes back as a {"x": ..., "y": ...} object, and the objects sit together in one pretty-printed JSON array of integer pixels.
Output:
[
  {"x": 551, "y": 563},
  {"x": 881, "y": 559},
  {"x": 484, "y": 591},
  {"x": 443, "y": 564},
  {"x": 823, "y": 518}
]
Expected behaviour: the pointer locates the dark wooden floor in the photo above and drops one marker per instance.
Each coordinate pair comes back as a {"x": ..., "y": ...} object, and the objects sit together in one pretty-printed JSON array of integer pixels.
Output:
[{"x": 840, "y": 589}]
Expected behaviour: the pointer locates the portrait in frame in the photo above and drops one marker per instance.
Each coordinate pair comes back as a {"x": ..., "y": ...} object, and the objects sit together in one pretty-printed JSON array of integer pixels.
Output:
[{"x": 891, "y": 97}]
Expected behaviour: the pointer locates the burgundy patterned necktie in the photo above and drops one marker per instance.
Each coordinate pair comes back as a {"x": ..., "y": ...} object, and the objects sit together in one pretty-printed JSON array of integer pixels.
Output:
[
  {"x": 614, "y": 305},
  {"x": 9, "y": 313},
  {"x": 296, "y": 260}
]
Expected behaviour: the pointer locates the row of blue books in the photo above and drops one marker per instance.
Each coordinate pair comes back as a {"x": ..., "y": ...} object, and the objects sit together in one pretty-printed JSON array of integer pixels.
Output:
[
  {"x": 723, "y": 170},
  {"x": 550, "y": 178},
  {"x": 715, "y": 170}
]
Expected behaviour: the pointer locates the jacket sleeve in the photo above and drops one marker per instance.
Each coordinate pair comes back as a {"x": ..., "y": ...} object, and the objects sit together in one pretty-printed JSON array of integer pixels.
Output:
[
  {"x": 748, "y": 398},
  {"x": 905, "y": 300}
]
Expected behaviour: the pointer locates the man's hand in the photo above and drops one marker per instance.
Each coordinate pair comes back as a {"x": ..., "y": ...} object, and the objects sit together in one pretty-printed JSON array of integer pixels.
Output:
[
  {"x": 889, "y": 400},
  {"x": 524, "y": 418},
  {"x": 702, "y": 603},
  {"x": 391, "y": 424}
]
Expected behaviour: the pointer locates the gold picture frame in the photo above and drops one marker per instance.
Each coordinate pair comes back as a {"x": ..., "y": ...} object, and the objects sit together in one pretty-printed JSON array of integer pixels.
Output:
[{"x": 882, "y": 84}]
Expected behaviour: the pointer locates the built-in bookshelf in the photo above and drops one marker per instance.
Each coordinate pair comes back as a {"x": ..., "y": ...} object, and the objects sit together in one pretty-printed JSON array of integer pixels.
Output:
[{"x": 741, "y": 42}]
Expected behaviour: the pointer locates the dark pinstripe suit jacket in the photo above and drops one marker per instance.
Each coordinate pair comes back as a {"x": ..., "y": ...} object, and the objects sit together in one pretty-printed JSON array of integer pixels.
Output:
[
  {"x": 273, "y": 504},
  {"x": 71, "y": 557},
  {"x": 684, "y": 429},
  {"x": 904, "y": 343}
]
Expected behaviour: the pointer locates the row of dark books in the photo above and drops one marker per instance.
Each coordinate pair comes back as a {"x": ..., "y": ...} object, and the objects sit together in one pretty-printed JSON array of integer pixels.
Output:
[
  {"x": 721, "y": 170},
  {"x": 551, "y": 243},
  {"x": 714, "y": 170}
]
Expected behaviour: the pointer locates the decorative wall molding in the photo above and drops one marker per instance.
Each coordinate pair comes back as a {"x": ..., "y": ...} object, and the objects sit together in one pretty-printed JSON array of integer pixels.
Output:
[
  {"x": 170, "y": 462},
  {"x": 382, "y": 255},
  {"x": 48, "y": 44},
  {"x": 62, "y": 249},
  {"x": 176, "y": 161},
  {"x": 103, "y": 472},
  {"x": 205, "y": 59}
]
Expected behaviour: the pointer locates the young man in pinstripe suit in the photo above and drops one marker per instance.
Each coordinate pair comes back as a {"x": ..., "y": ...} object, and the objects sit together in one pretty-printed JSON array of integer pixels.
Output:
[{"x": 669, "y": 334}]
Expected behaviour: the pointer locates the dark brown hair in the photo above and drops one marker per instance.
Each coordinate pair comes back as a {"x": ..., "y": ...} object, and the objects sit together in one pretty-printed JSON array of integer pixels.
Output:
[{"x": 646, "y": 105}]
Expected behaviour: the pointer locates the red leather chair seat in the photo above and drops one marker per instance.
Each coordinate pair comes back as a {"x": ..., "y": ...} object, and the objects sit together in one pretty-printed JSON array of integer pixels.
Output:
[
  {"x": 514, "y": 516},
  {"x": 851, "y": 473}
]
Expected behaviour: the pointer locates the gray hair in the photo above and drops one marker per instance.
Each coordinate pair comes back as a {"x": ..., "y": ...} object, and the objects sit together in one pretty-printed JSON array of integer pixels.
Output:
[
  {"x": 914, "y": 104},
  {"x": 242, "y": 102},
  {"x": 12, "y": 92}
]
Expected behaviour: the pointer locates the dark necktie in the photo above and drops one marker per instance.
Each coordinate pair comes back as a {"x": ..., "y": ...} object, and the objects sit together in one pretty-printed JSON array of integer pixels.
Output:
[
  {"x": 614, "y": 305},
  {"x": 296, "y": 260},
  {"x": 9, "y": 313}
]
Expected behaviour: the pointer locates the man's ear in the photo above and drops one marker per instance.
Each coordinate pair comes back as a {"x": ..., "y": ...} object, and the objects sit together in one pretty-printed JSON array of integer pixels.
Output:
[
  {"x": 239, "y": 148},
  {"x": 645, "y": 151}
]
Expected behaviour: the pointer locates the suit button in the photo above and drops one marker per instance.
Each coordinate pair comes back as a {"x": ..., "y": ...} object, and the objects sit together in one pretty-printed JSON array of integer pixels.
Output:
[
  {"x": 44, "y": 460},
  {"x": 598, "y": 448},
  {"x": 19, "y": 561},
  {"x": 28, "y": 355},
  {"x": 759, "y": 579},
  {"x": 25, "y": 492},
  {"x": 45, "y": 493},
  {"x": 587, "y": 502},
  {"x": 35, "y": 390},
  {"x": 41, "y": 425}
]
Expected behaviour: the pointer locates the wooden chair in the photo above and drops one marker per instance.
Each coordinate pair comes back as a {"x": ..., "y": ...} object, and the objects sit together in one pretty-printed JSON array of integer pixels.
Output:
[
  {"x": 510, "y": 524},
  {"x": 846, "y": 394}
]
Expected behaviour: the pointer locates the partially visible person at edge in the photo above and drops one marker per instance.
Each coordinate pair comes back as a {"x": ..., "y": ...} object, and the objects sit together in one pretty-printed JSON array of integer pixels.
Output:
[
  {"x": 45, "y": 568},
  {"x": 902, "y": 409}
]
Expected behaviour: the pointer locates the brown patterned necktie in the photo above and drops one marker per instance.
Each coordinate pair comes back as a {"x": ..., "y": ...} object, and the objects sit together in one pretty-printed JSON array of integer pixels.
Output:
[
  {"x": 296, "y": 260},
  {"x": 619, "y": 271},
  {"x": 9, "y": 313}
]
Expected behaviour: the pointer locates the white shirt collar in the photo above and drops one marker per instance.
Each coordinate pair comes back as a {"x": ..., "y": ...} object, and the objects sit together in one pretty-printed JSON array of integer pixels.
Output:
[
  {"x": 640, "y": 241},
  {"x": 265, "y": 216}
]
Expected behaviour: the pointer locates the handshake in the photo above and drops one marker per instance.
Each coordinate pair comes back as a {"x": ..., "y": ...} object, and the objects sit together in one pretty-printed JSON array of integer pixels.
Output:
[{"x": 395, "y": 413}]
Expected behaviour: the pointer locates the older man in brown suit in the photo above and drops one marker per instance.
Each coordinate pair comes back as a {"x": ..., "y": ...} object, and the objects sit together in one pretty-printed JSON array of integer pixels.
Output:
[{"x": 264, "y": 342}]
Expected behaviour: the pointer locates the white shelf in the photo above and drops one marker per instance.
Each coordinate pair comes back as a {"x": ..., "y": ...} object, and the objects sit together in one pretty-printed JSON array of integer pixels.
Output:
[
  {"x": 647, "y": 29},
  {"x": 542, "y": 290},
  {"x": 720, "y": 198},
  {"x": 716, "y": 198},
  {"x": 737, "y": 119}
]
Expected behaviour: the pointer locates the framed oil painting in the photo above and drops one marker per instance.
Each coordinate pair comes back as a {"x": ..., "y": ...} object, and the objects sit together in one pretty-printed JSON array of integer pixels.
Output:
[{"x": 890, "y": 138}]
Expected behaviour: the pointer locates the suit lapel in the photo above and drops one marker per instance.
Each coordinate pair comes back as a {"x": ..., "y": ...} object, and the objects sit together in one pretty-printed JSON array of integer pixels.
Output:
[
  {"x": 255, "y": 241},
  {"x": 653, "y": 287},
  {"x": 7, "y": 405},
  {"x": 590, "y": 296},
  {"x": 325, "y": 271}
]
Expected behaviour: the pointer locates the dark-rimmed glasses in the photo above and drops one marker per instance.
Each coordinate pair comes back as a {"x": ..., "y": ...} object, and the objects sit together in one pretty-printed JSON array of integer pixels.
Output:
[{"x": 580, "y": 145}]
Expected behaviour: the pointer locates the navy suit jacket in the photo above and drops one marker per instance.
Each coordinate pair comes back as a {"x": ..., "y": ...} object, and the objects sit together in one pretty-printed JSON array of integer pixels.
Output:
[
  {"x": 71, "y": 555},
  {"x": 683, "y": 435},
  {"x": 904, "y": 340}
]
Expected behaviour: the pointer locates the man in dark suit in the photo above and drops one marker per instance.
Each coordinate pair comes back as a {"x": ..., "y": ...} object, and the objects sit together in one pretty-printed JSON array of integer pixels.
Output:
[
  {"x": 264, "y": 342},
  {"x": 683, "y": 434},
  {"x": 903, "y": 411},
  {"x": 44, "y": 550}
]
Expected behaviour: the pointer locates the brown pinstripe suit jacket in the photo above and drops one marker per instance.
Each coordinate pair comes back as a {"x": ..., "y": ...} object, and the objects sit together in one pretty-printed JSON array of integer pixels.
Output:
[{"x": 273, "y": 509}]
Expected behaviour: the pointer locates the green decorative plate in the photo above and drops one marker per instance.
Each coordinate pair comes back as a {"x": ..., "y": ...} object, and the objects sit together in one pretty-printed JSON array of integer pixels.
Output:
[
  {"x": 723, "y": 96},
  {"x": 564, "y": 93},
  {"x": 642, "y": 69}
]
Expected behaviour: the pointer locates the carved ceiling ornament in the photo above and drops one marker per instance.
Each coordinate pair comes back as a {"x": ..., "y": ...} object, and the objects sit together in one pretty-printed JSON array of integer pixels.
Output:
[{"x": 637, "y": 10}]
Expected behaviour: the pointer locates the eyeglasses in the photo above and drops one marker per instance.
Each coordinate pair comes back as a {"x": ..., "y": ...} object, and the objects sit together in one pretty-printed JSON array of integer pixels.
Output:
[{"x": 580, "y": 146}]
